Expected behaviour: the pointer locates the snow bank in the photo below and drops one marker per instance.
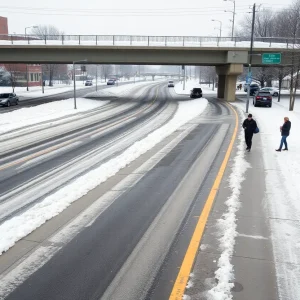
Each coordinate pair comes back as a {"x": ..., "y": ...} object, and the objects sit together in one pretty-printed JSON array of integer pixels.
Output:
[
  {"x": 227, "y": 226},
  {"x": 18, "y": 227},
  {"x": 283, "y": 192},
  {"x": 44, "y": 112},
  {"x": 36, "y": 91}
]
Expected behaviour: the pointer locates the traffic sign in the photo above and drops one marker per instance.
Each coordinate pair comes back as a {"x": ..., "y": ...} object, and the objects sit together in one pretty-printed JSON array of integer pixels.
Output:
[
  {"x": 249, "y": 78},
  {"x": 271, "y": 58}
]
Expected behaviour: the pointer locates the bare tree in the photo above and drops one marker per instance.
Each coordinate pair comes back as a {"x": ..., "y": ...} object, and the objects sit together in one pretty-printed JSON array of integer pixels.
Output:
[
  {"x": 263, "y": 27},
  {"x": 12, "y": 76},
  {"x": 280, "y": 73},
  {"x": 106, "y": 70},
  {"x": 48, "y": 32}
]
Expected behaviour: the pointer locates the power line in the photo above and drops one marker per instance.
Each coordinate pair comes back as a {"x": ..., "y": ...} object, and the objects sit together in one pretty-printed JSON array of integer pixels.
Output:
[{"x": 122, "y": 14}]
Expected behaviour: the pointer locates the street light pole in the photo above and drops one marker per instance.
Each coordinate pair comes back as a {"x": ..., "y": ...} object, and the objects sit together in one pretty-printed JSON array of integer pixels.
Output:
[
  {"x": 220, "y": 26},
  {"x": 250, "y": 57},
  {"x": 96, "y": 78},
  {"x": 233, "y": 17},
  {"x": 74, "y": 79},
  {"x": 27, "y": 88}
]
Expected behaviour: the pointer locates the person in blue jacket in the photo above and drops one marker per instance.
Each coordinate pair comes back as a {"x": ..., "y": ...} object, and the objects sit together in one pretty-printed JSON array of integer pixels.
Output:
[{"x": 285, "y": 132}]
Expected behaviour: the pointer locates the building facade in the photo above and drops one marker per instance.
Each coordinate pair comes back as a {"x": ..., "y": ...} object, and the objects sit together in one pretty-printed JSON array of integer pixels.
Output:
[{"x": 21, "y": 74}]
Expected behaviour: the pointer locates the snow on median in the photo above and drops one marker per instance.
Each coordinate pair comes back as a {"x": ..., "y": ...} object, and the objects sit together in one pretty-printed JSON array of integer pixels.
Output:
[
  {"x": 19, "y": 226},
  {"x": 227, "y": 226},
  {"x": 45, "y": 112}
]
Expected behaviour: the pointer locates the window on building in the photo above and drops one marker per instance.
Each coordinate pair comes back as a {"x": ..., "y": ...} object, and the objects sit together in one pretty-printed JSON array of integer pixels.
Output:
[{"x": 31, "y": 77}]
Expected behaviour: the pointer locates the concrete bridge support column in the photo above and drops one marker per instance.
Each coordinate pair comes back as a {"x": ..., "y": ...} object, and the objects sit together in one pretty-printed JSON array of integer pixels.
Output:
[
  {"x": 221, "y": 86},
  {"x": 227, "y": 80}
]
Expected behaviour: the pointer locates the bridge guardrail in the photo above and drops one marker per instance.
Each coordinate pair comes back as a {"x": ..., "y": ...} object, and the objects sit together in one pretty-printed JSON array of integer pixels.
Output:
[{"x": 139, "y": 40}]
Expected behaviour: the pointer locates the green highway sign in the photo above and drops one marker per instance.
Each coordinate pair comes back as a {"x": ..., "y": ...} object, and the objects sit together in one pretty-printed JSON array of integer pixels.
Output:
[{"x": 271, "y": 58}]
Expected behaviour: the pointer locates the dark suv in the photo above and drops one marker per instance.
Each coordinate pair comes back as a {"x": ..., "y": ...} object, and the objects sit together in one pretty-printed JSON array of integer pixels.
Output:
[
  {"x": 254, "y": 87},
  {"x": 8, "y": 99},
  {"x": 262, "y": 98},
  {"x": 196, "y": 93}
]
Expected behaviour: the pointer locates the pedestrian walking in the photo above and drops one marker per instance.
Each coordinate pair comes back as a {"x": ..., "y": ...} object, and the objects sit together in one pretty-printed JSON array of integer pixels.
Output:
[
  {"x": 285, "y": 132},
  {"x": 250, "y": 128}
]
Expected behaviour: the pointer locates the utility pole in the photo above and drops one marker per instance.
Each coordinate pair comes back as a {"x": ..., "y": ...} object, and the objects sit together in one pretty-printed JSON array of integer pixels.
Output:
[
  {"x": 233, "y": 18},
  {"x": 250, "y": 58},
  {"x": 74, "y": 79},
  {"x": 43, "y": 89},
  {"x": 27, "y": 79},
  {"x": 96, "y": 78},
  {"x": 183, "y": 67}
]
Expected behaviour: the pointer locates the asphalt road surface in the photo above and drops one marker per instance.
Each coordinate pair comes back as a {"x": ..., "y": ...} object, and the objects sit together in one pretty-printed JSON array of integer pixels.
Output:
[{"x": 123, "y": 250}]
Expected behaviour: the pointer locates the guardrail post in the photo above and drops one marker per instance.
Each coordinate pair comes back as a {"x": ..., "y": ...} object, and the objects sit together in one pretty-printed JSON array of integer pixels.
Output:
[
  {"x": 130, "y": 40},
  {"x": 28, "y": 41},
  {"x": 200, "y": 41},
  {"x": 218, "y": 40},
  {"x": 270, "y": 43},
  {"x": 62, "y": 39},
  {"x": 235, "y": 41},
  {"x": 165, "y": 41},
  {"x": 96, "y": 39},
  {"x": 183, "y": 41},
  {"x": 79, "y": 39},
  {"x": 113, "y": 40},
  {"x": 287, "y": 43},
  {"x": 12, "y": 39},
  {"x": 45, "y": 39},
  {"x": 148, "y": 41}
]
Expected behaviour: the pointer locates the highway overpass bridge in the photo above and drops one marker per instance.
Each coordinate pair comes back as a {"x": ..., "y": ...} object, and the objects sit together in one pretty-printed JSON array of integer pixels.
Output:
[{"x": 227, "y": 54}]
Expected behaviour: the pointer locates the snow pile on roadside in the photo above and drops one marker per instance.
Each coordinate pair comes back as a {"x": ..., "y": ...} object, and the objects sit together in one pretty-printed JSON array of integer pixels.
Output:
[
  {"x": 18, "y": 227},
  {"x": 227, "y": 227},
  {"x": 44, "y": 112},
  {"x": 36, "y": 91},
  {"x": 283, "y": 192}
]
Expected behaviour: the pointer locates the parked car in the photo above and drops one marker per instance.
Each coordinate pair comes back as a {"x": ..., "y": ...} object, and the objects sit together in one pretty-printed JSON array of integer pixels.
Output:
[
  {"x": 111, "y": 82},
  {"x": 196, "y": 93},
  {"x": 262, "y": 98},
  {"x": 171, "y": 83},
  {"x": 88, "y": 83},
  {"x": 254, "y": 87},
  {"x": 8, "y": 99},
  {"x": 274, "y": 92}
]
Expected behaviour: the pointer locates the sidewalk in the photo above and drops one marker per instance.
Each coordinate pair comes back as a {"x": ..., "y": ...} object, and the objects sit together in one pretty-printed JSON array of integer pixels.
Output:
[
  {"x": 243, "y": 226},
  {"x": 265, "y": 226},
  {"x": 282, "y": 175}
]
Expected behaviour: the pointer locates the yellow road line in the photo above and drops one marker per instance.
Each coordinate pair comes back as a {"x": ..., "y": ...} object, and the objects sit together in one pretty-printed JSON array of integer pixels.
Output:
[
  {"x": 59, "y": 146},
  {"x": 190, "y": 255}
]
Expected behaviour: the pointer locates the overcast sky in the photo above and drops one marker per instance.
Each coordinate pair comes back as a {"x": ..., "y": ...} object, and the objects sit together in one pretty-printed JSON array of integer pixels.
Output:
[{"x": 153, "y": 17}]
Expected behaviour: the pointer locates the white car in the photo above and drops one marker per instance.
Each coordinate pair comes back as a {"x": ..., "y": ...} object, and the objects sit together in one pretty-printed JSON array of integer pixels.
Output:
[{"x": 274, "y": 92}]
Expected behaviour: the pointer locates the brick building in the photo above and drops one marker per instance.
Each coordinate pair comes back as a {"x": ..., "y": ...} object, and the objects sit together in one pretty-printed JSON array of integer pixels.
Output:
[
  {"x": 19, "y": 71},
  {"x": 3, "y": 25}
]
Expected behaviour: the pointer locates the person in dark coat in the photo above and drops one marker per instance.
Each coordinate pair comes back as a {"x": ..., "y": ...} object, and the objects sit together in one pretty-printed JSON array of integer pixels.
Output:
[
  {"x": 285, "y": 132},
  {"x": 249, "y": 126}
]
